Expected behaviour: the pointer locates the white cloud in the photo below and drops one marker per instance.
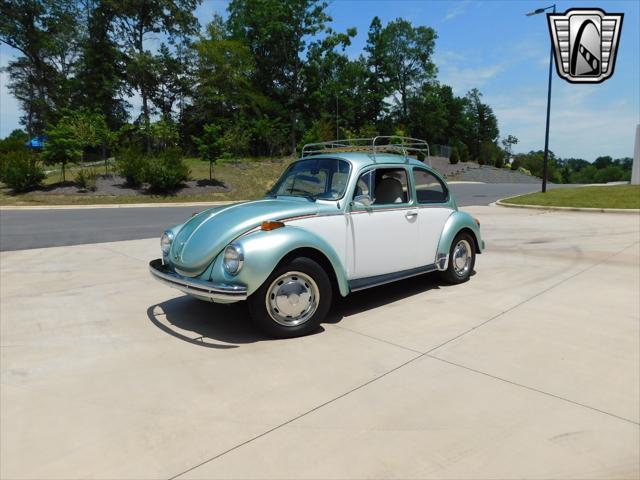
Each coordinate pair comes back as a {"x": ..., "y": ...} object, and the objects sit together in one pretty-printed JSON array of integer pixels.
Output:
[
  {"x": 456, "y": 10},
  {"x": 582, "y": 125},
  {"x": 464, "y": 79}
]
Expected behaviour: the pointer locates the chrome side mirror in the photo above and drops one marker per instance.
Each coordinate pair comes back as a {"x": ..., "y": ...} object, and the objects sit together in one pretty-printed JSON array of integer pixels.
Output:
[{"x": 362, "y": 201}]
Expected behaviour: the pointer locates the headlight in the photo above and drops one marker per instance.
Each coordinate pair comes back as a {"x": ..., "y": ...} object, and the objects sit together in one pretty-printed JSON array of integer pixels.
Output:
[
  {"x": 233, "y": 259},
  {"x": 165, "y": 242}
]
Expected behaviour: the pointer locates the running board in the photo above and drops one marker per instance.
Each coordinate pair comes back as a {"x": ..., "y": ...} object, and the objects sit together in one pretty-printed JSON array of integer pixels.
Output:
[{"x": 368, "y": 282}]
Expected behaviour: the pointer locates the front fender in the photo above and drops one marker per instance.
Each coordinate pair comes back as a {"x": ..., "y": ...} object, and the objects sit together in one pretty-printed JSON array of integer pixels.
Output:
[
  {"x": 263, "y": 250},
  {"x": 455, "y": 223}
]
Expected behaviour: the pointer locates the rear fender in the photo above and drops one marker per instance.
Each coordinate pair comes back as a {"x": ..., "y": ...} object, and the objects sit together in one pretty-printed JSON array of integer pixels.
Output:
[{"x": 457, "y": 222}]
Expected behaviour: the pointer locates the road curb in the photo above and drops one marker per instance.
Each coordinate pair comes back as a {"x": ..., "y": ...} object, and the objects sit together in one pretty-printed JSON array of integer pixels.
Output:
[
  {"x": 111, "y": 205},
  {"x": 636, "y": 211}
]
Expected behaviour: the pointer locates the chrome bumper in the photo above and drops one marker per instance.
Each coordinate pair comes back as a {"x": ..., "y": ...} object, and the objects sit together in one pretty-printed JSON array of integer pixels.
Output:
[{"x": 213, "y": 291}]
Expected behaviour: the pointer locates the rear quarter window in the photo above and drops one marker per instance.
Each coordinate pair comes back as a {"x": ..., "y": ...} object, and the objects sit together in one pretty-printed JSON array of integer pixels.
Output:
[{"x": 429, "y": 189}]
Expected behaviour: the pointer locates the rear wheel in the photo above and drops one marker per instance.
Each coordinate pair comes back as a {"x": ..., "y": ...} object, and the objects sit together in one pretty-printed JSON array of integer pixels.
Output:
[
  {"x": 293, "y": 300},
  {"x": 462, "y": 259}
]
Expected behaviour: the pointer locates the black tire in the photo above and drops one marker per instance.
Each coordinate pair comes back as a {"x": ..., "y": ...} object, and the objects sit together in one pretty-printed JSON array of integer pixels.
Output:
[
  {"x": 454, "y": 274},
  {"x": 319, "y": 288}
]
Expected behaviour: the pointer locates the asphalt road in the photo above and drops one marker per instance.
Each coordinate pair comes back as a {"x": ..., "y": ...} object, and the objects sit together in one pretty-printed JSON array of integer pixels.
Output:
[{"x": 25, "y": 229}]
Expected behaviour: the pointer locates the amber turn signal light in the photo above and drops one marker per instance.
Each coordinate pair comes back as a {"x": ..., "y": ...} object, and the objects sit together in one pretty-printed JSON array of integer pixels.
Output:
[
  {"x": 271, "y": 225},
  {"x": 477, "y": 221}
]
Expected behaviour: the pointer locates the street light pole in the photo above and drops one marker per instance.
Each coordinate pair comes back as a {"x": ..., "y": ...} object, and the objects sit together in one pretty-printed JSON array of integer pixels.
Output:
[{"x": 545, "y": 164}]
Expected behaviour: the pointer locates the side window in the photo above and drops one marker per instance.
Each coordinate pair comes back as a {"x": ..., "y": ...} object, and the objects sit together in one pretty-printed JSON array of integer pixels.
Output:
[
  {"x": 386, "y": 186},
  {"x": 428, "y": 188}
]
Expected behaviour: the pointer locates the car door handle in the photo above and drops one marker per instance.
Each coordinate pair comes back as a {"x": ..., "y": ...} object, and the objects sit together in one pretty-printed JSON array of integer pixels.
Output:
[{"x": 411, "y": 214}]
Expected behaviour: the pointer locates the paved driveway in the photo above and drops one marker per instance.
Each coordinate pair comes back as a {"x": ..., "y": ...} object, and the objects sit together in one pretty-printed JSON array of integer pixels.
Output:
[
  {"x": 21, "y": 229},
  {"x": 530, "y": 370}
]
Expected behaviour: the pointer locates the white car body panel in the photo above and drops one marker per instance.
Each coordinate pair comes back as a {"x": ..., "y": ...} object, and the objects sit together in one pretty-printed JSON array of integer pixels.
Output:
[
  {"x": 373, "y": 245},
  {"x": 331, "y": 228},
  {"x": 431, "y": 221}
]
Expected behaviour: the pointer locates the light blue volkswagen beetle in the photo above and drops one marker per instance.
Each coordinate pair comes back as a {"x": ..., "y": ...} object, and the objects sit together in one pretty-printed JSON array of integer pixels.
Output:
[{"x": 349, "y": 215}]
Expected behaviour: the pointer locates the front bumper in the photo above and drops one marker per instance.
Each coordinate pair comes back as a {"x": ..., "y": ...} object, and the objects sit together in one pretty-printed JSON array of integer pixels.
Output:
[{"x": 192, "y": 286}]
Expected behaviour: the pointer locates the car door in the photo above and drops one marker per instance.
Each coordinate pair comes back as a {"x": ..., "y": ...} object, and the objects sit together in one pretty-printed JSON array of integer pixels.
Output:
[
  {"x": 383, "y": 236},
  {"x": 433, "y": 211}
]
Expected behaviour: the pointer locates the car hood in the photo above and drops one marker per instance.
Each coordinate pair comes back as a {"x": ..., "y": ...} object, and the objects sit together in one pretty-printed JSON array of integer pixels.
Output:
[{"x": 205, "y": 235}]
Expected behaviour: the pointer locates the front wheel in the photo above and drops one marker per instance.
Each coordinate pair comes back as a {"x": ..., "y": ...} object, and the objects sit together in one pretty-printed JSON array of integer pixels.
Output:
[
  {"x": 293, "y": 300},
  {"x": 462, "y": 259}
]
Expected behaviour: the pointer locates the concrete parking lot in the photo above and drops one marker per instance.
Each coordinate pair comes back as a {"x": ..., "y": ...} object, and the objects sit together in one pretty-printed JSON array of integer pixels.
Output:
[{"x": 529, "y": 370}]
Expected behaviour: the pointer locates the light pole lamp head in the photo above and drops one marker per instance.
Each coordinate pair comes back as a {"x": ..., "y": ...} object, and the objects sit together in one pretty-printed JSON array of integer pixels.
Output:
[{"x": 535, "y": 12}]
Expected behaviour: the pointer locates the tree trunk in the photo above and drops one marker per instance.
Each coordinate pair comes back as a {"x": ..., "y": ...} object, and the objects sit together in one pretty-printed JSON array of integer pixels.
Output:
[
  {"x": 145, "y": 116},
  {"x": 293, "y": 134}
]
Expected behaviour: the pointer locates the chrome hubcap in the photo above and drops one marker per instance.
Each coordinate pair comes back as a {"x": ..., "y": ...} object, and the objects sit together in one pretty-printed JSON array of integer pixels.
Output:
[
  {"x": 292, "y": 299},
  {"x": 462, "y": 258}
]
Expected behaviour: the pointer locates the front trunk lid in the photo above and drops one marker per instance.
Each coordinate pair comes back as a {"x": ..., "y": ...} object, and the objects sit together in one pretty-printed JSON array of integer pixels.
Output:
[{"x": 205, "y": 235}]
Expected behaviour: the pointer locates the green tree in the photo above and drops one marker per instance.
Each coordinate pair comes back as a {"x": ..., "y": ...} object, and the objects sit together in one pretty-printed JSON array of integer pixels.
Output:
[
  {"x": 63, "y": 145},
  {"x": 72, "y": 134},
  {"x": 611, "y": 173},
  {"x": 407, "y": 62},
  {"x": 378, "y": 85},
  {"x": 277, "y": 34},
  {"x": 15, "y": 141},
  {"x": 585, "y": 175},
  {"x": 507, "y": 145},
  {"x": 489, "y": 153},
  {"x": 47, "y": 35},
  {"x": 210, "y": 145},
  {"x": 171, "y": 80},
  {"x": 483, "y": 125},
  {"x": 603, "y": 162},
  {"x": 224, "y": 77},
  {"x": 134, "y": 21},
  {"x": 101, "y": 69}
]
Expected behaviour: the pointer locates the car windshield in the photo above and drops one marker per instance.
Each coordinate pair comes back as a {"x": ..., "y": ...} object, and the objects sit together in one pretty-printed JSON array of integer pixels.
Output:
[{"x": 314, "y": 178}]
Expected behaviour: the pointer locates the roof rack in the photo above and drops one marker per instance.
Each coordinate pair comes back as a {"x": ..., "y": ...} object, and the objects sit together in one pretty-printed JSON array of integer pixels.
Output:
[{"x": 405, "y": 146}]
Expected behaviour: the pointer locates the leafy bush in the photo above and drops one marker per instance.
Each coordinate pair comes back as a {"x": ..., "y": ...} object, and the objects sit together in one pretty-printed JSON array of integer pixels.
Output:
[
  {"x": 455, "y": 156},
  {"x": 16, "y": 141},
  {"x": 131, "y": 165},
  {"x": 166, "y": 172},
  {"x": 21, "y": 170},
  {"x": 524, "y": 170},
  {"x": 87, "y": 179}
]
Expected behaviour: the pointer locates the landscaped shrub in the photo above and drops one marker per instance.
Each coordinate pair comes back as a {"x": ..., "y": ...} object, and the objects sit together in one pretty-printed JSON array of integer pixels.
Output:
[
  {"x": 455, "y": 156},
  {"x": 21, "y": 170},
  {"x": 131, "y": 165},
  {"x": 166, "y": 172},
  {"x": 524, "y": 170},
  {"x": 87, "y": 179}
]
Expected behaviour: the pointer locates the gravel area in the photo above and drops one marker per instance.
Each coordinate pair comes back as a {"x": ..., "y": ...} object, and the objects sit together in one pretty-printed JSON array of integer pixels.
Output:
[
  {"x": 488, "y": 174},
  {"x": 115, "y": 185},
  {"x": 472, "y": 172}
]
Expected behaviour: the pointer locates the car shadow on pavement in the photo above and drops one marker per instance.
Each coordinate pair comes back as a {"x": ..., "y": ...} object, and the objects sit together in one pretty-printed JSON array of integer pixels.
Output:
[
  {"x": 204, "y": 323},
  {"x": 221, "y": 326},
  {"x": 364, "y": 300}
]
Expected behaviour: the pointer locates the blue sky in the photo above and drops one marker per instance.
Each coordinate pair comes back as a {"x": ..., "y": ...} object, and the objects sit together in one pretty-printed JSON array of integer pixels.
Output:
[{"x": 493, "y": 46}]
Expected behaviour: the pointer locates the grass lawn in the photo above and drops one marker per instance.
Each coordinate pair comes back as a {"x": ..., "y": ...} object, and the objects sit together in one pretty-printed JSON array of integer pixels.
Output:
[
  {"x": 619, "y": 196},
  {"x": 248, "y": 179}
]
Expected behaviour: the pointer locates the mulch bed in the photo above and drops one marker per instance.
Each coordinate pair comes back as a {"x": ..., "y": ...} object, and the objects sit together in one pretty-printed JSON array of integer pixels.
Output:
[{"x": 114, "y": 185}]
